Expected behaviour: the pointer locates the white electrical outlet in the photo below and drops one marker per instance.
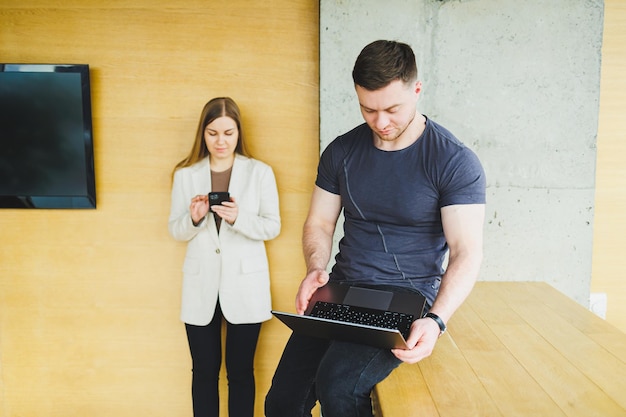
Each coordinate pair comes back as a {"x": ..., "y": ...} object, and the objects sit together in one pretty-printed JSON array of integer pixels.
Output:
[{"x": 597, "y": 303}]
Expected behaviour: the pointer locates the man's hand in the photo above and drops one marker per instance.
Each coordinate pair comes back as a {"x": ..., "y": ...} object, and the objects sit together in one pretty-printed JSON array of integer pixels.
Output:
[
  {"x": 422, "y": 339},
  {"x": 314, "y": 280}
]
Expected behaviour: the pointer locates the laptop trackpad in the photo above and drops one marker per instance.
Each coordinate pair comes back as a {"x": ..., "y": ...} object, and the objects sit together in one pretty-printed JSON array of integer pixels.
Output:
[{"x": 366, "y": 297}]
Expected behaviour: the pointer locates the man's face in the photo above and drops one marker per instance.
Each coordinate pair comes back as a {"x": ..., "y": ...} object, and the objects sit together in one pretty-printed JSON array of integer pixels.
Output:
[{"x": 390, "y": 110}]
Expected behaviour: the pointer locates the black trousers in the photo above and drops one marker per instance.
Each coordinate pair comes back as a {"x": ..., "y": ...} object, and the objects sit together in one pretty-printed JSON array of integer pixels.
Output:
[{"x": 205, "y": 345}]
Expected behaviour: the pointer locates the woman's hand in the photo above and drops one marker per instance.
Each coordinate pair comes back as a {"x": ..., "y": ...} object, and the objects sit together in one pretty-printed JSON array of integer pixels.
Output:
[
  {"x": 228, "y": 210},
  {"x": 199, "y": 208}
]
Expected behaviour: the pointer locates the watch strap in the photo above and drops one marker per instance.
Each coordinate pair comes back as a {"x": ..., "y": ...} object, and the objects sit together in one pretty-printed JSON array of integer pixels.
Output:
[{"x": 440, "y": 323}]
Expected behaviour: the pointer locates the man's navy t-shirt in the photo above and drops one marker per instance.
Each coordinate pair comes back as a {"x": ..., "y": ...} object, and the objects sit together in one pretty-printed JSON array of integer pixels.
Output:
[{"x": 392, "y": 199}]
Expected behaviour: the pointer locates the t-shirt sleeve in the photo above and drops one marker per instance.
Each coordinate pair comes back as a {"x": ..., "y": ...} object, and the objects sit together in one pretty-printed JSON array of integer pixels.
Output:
[
  {"x": 464, "y": 180},
  {"x": 327, "y": 169}
]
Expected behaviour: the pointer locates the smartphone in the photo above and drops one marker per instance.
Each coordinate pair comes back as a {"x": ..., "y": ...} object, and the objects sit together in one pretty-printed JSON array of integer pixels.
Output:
[{"x": 217, "y": 198}]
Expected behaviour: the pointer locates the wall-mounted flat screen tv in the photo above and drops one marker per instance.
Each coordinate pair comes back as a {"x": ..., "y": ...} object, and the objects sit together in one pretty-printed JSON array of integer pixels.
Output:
[{"x": 46, "y": 137}]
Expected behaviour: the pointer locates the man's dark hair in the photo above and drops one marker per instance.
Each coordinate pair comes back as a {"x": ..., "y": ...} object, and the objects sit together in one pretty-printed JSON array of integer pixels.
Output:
[{"x": 382, "y": 62}]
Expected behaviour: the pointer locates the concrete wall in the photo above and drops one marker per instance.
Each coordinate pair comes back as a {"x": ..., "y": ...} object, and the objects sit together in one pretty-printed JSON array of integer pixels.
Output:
[{"x": 518, "y": 82}]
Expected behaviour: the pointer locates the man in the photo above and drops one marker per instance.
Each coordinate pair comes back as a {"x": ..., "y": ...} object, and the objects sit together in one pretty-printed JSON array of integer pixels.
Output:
[{"x": 411, "y": 193}]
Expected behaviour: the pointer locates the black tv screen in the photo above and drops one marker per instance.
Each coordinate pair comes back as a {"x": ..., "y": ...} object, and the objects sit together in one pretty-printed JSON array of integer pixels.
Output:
[{"x": 46, "y": 138}]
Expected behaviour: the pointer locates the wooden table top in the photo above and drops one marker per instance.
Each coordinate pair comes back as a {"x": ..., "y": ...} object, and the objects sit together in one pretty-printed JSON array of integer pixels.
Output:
[{"x": 514, "y": 349}]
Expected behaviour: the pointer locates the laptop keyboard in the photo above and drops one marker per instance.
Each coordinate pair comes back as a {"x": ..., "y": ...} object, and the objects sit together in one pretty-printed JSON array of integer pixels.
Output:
[{"x": 362, "y": 315}]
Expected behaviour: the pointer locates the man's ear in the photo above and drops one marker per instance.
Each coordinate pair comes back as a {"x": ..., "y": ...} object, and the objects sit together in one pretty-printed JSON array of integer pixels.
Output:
[{"x": 418, "y": 86}]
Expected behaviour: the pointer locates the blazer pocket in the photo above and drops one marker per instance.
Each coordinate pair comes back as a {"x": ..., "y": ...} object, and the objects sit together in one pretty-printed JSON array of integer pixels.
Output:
[{"x": 254, "y": 264}]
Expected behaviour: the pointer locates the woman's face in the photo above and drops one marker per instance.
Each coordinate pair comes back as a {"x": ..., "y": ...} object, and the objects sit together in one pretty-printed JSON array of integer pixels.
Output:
[{"x": 221, "y": 136}]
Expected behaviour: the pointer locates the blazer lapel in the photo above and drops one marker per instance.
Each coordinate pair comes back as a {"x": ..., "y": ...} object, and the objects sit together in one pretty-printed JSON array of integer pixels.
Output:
[
  {"x": 202, "y": 178},
  {"x": 202, "y": 185},
  {"x": 238, "y": 175}
]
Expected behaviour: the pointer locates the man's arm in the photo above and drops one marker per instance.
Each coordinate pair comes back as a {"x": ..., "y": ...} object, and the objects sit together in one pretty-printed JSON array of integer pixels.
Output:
[
  {"x": 317, "y": 241},
  {"x": 463, "y": 229}
]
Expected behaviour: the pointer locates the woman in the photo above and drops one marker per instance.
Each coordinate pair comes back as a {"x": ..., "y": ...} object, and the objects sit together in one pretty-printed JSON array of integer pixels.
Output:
[{"x": 225, "y": 272}]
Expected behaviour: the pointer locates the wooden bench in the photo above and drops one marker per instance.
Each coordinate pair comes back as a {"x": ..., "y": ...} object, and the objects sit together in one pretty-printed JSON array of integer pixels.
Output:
[{"x": 514, "y": 349}]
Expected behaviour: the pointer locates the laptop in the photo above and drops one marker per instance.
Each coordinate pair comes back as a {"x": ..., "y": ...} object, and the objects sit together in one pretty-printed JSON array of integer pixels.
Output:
[{"x": 376, "y": 317}]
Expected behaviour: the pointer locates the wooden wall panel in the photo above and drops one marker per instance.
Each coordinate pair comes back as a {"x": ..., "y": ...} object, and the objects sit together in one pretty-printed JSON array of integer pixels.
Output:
[
  {"x": 610, "y": 221},
  {"x": 89, "y": 300}
]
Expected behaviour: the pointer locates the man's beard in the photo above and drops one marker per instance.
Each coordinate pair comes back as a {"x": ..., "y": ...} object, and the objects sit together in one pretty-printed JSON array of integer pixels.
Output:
[{"x": 400, "y": 133}]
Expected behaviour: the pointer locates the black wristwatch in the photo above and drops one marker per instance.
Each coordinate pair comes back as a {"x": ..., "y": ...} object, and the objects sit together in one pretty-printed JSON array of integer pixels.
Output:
[{"x": 440, "y": 323}]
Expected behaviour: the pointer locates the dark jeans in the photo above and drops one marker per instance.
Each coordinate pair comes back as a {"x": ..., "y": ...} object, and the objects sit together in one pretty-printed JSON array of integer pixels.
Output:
[
  {"x": 205, "y": 345},
  {"x": 340, "y": 375}
]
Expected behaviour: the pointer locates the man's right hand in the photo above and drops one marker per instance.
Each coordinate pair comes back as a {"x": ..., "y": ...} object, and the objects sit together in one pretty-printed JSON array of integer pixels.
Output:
[{"x": 314, "y": 280}]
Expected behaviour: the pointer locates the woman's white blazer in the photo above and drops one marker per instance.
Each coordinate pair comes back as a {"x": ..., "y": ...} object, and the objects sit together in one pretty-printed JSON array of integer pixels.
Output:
[{"x": 231, "y": 265}]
